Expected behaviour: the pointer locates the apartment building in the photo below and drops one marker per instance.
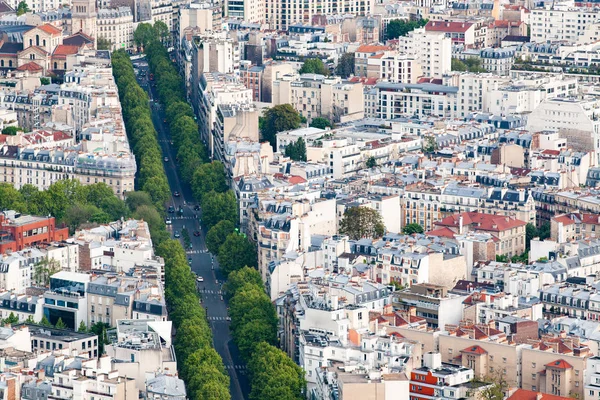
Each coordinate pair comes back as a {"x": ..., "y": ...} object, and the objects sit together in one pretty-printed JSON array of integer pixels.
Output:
[
  {"x": 66, "y": 299},
  {"x": 475, "y": 91},
  {"x": 235, "y": 123},
  {"x": 319, "y": 96},
  {"x": 217, "y": 89},
  {"x": 432, "y": 51},
  {"x": 460, "y": 33},
  {"x": 574, "y": 226},
  {"x": 112, "y": 298},
  {"x": 22, "y": 306},
  {"x": 280, "y": 14},
  {"x": 394, "y": 67},
  {"x": 362, "y": 55},
  {"x": 18, "y": 231},
  {"x": 252, "y": 11},
  {"x": 396, "y": 100},
  {"x": 509, "y": 231},
  {"x": 431, "y": 302},
  {"x": 554, "y": 25},
  {"x": 44, "y": 339},
  {"x": 138, "y": 347},
  {"x": 116, "y": 26},
  {"x": 574, "y": 118}
]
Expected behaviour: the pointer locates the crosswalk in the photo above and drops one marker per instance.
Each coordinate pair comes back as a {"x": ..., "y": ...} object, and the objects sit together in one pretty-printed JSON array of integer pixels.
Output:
[
  {"x": 237, "y": 367},
  {"x": 206, "y": 291},
  {"x": 180, "y": 217},
  {"x": 218, "y": 318},
  {"x": 196, "y": 251}
]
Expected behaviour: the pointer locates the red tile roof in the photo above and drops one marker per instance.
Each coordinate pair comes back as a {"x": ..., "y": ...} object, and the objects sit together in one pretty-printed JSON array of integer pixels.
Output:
[
  {"x": 522, "y": 394},
  {"x": 560, "y": 364},
  {"x": 564, "y": 219},
  {"x": 30, "y": 66},
  {"x": 502, "y": 23},
  {"x": 50, "y": 29},
  {"x": 295, "y": 179},
  {"x": 474, "y": 350},
  {"x": 442, "y": 232},
  {"x": 445, "y": 26},
  {"x": 368, "y": 48},
  {"x": 482, "y": 222},
  {"x": 65, "y": 50}
]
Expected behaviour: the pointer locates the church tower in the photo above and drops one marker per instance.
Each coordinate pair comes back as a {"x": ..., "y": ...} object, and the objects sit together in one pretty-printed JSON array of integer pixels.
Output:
[{"x": 83, "y": 17}]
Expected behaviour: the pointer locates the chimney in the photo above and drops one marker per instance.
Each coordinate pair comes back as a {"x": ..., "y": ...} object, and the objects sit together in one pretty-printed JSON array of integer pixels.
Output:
[
  {"x": 539, "y": 396},
  {"x": 460, "y": 224}
]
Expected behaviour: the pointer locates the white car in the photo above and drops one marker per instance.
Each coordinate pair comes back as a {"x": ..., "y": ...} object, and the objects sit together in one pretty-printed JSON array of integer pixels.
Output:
[
  {"x": 200, "y": 279},
  {"x": 168, "y": 221}
]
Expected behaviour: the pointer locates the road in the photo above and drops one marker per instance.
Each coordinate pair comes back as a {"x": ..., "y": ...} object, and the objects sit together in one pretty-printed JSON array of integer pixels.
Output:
[{"x": 203, "y": 264}]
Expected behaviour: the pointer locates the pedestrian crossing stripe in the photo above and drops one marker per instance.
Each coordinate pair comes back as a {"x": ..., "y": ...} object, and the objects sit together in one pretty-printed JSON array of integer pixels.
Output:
[{"x": 238, "y": 367}]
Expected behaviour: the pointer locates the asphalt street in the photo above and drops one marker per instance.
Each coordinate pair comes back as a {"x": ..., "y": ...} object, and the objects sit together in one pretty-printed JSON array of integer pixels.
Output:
[{"x": 203, "y": 264}]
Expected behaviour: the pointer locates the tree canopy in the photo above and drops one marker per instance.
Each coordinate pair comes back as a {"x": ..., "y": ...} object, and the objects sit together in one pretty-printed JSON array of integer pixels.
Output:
[
  {"x": 345, "y": 67},
  {"x": 280, "y": 118},
  {"x": 398, "y": 27},
  {"x": 236, "y": 252},
  {"x": 296, "y": 151},
  {"x": 216, "y": 236},
  {"x": 409, "y": 229},
  {"x": 314, "y": 66},
  {"x": 22, "y": 8},
  {"x": 471, "y": 64},
  {"x": 362, "y": 222},
  {"x": 321, "y": 123}
]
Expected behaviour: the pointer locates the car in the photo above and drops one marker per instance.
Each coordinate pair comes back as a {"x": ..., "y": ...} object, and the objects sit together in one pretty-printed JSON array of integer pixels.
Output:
[
  {"x": 176, "y": 193},
  {"x": 171, "y": 209},
  {"x": 197, "y": 207},
  {"x": 166, "y": 159},
  {"x": 190, "y": 260},
  {"x": 221, "y": 298},
  {"x": 168, "y": 221},
  {"x": 164, "y": 120},
  {"x": 196, "y": 233},
  {"x": 191, "y": 247},
  {"x": 200, "y": 279},
  {"x": 176, "y": 234}
]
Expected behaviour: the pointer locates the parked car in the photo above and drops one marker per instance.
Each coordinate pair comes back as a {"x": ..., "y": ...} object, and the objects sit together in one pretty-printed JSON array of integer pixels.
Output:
[
  {"x": 200, "y": 279},
  {"x": 168, "y": 221},
  {"x": 196, "y": 233},
  {"x": 166, "y": 159},
  {"x": 171, "y": 209},
  {"x": 176, "y": 234},
  {"x": 197, "y": 207},
  {"x": 190, "y": 260},
  {"x": 176, "y": 193}
]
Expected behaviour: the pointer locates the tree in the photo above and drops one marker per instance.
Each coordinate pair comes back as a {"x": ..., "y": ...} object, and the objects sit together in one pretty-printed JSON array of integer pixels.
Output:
[
  {"x": 45, "y": 322},
  {"x": 398, "y": 27},
  {"x": 209, "y": 177},
  {"x": 429, "y": 144},
  {"x": 11, "y": 130},
  {"x": 314, "y": 66},
  {"x": 45, "y": 81},
  {"x": 30, "y": 320},
  {"x": 60, "y": 324},
  {"x": 163, "y": 31},
  {"x": 409, "y": 229},
  {"x": 544, "y": 231},
  {"x": 471, "y": 64},
  {"x": 11, "y": 198},
  {"x": 321, "y": 123},
  {"x": 296, "y": 151},
  {"x": 104, "y": 44},
  {"x": 371, "y": 162},
  {"x": 345, "y": 67},
  {"x": 502, "y": 258},
  {"x": 144, "y": 35},
  {"x": 530, "y": 233},
  {"x": 217, "y": 207},
  {"x": 237, "y": 279},
  {"x": 100, "y": 328},
  {"x": 43, "y": 270},
  {"x": 82, "y": 327},
  {"x": 11, "y": 319},
  {"x": 362, "y": 222},
  {"x": 280, "y": 118},
  {"x": 22, "y": 8},
  {"x": 236, "y": 253},
  {"x": 495, "y": 390},
  {"x": 136, "y": 199},
  {"x": 217, "y": 235}
]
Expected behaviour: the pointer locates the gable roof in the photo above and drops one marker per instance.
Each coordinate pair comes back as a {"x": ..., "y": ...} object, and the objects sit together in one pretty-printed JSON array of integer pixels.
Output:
[
  {"x": 560, "y": 364},
  {"x": 78, "y": 39},
  {"x": 64, "y": 50},
  {"x": 36, "y": 49},
  {"x": 369, "y": 48},
  {"x": 522, "y": 394},
  {"x": 50, "y": 29},
  {"x": 30, "y": 66},
  {"x": 481, "y": 221},
  {"x": 446, "y": 26},
  {"x": 11, "y": 48},
  {"x": 5, "y": 8},
  {"x": 474, "y": 350}
]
